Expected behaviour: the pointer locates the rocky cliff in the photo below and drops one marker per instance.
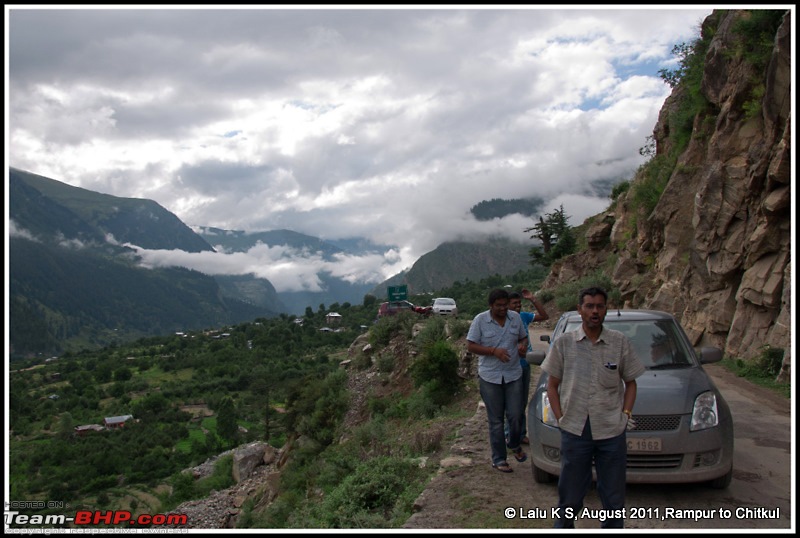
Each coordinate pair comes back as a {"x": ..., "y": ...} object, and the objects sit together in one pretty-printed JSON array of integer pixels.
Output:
[{"x": 716, "y": 248}]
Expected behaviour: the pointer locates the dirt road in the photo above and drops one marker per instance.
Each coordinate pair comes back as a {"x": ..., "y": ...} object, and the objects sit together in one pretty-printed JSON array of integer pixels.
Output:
[{"x": 469, "y": 494}]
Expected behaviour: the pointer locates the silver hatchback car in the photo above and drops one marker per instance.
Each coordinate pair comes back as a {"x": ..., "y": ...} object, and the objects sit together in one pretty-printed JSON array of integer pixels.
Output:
[{"x": 684, "y": 428}]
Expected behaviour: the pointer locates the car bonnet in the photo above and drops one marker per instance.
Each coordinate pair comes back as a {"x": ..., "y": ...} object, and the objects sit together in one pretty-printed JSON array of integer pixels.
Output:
[{"x": 671, "y": 391}]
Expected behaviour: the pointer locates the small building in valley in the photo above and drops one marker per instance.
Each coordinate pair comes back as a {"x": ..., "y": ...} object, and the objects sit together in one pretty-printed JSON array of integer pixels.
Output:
[{"x": 116, "y": 422}]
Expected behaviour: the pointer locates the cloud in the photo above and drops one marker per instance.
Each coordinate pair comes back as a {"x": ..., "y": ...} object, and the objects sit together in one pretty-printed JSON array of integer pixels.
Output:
[
  {"x": 15, "y": 231},
  {"x": 288, "y": 269},
  {"x": 383, "y": 123}
]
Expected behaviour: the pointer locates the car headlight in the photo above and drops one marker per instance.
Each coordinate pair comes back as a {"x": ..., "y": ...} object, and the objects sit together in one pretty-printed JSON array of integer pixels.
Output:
[
  {"x": 548, "y": 417},
  {"x": 704, "y": 414}
]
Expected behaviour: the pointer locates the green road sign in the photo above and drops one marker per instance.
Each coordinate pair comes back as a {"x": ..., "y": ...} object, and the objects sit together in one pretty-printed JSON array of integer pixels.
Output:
[{"x": 398, "y": 293}]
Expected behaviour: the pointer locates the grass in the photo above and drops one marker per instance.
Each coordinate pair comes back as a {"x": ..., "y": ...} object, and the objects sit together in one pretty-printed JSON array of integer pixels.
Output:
[
  {"x": 760, "y": 377},
  {"x": 185, "y": 445}
]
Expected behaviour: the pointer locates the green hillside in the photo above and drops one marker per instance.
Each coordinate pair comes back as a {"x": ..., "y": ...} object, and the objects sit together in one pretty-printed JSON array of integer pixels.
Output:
[{"x": 73, "y": 287}]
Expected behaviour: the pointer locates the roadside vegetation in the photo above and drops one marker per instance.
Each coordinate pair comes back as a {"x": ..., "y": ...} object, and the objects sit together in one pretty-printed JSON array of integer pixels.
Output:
[
  {"x": 196, "y": 395},
  {"x": 762, "y": 371}
]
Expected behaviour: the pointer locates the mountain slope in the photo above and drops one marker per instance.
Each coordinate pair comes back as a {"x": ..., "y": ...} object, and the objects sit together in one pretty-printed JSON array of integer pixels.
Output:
[
  {"x": 460, "y": 261},
  {"x": 71, "y": 286},
  {"x": 141, "y": 222},
  {"x": 714, "y": 246}
]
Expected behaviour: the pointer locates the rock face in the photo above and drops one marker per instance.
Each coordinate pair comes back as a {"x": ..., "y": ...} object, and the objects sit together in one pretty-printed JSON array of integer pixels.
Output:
[
  {"x": 256, "y": 471},
  {"x": 716, "y": 250}
]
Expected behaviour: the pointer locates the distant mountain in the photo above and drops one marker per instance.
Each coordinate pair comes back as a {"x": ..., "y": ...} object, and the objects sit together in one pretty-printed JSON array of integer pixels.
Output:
[
  {"x": 47, "y": 208},
  {"x": 499, "y": 208},
  {"x": 241, "y": 241},
  {"x": 73, "y": 285},
  {"x": 460, "y": 261},
  {"x": 75, "y": 280}
]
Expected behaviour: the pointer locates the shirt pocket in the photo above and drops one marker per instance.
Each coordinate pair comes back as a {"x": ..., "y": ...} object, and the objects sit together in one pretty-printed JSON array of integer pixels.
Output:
[
  {"x": 608, "y": 378},
  {"x": 490, "y": 335}
]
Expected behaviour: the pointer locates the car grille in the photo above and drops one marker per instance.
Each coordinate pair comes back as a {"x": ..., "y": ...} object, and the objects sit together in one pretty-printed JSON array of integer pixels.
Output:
[
  {"x": 653, "y": 423},
  {"x": 649, "y": 462},
  {"x": 654, "y": 461}
]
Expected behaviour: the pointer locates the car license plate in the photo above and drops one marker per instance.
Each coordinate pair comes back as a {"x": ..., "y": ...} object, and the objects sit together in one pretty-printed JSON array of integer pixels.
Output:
[{"x": 644, "y": 444}]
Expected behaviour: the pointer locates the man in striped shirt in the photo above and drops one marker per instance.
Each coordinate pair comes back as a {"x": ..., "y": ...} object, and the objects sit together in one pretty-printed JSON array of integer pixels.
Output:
[{"x": 592, "y": 389}]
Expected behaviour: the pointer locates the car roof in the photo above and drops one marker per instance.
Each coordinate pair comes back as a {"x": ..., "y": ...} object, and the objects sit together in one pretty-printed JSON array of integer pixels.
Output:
[{"x": 624, "y": 315}]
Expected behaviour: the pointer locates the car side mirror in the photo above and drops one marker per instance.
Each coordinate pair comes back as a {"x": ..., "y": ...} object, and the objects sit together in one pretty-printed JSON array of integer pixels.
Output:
[
  {"x": 535, "y": 357},
  {"x": 709, "y": 355}
]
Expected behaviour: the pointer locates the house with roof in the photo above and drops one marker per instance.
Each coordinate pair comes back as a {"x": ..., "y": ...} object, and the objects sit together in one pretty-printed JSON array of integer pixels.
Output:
[
  {"x": 116, "y": 422},
  {"x": 81, "y": 430},
  {"x": 333, "y": 318}
]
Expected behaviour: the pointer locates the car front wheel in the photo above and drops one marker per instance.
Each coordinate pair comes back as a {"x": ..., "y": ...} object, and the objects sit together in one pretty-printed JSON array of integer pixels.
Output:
[{"x": 723, "y": 481}]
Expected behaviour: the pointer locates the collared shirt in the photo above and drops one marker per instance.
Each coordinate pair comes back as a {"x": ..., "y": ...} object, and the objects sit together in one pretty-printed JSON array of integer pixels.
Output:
[
  {"x": 592, "y": 376},
  {"x": 485, "y": 331}
]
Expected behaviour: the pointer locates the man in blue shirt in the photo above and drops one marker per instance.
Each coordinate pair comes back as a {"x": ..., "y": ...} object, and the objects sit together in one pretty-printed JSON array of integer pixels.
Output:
[
  {"x": 515, "y": 304},
  {"x": 496, "y": 335}
]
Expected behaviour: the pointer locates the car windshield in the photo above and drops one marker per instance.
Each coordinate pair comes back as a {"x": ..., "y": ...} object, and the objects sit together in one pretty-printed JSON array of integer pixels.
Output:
[
  {"x": 657, "y": 343},
  {"x": 444, "y": 302}
]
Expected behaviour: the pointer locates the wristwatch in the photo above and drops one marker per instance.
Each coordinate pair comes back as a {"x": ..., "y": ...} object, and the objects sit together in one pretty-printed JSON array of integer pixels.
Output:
[{"x": 627, "y": 412}]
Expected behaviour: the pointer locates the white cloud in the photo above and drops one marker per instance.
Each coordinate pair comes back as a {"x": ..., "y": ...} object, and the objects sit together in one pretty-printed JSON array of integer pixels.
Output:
[
  {"x": 286, "y": 268},
  {"x": 388, "y": 124},
  {"x": 16, "y": 231}
]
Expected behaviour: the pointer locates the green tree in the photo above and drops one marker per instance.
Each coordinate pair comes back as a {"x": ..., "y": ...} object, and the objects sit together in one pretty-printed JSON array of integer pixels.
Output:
[
  {"x": 122, "y": 373},
  {"x": 66, "y": 426},
  {"x": 556, "y": 237},
  {"x": 227, "y": 428}
]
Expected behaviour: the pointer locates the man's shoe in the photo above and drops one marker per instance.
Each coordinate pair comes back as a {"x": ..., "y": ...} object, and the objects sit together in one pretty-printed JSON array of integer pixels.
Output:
[{"x": 503, "y": 467}]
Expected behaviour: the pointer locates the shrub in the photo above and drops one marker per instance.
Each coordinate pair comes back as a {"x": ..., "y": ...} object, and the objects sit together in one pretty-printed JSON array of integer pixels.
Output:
[
  {"x": 386, "y": 328},
  {"x": 368, "y": 498},
  {"x": 437, "y": 369},
  {"x": 546, "y": 295},
  {"x": 653, "y": 178},
  {"x": 420, "y": 404},
  {"x": 428, "y": 440},
  {"x": 435, "y": 330},
  {"x": 620, "y": 188},
  {"x": 459, "y": 328},
  {"x": 767, "y": 364},
  {"x": 385, "y": 363},
  {"x": 316, "y": 407},
  {"x": 370, "y": 437},
  {"x": 567, "y": 294}
]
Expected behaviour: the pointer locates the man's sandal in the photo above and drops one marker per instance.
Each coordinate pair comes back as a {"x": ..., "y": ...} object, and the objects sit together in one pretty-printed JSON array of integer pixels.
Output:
[
  {"x": 520, "y": 456},
  {"x": 503, "y": 467}
]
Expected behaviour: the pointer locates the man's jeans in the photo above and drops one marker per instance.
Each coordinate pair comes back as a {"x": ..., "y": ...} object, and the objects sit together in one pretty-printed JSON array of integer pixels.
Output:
[
  {"x": 503, "y": 401},
  {"x": 610, "y": 457},
  {"x": 526, "y": 390}
]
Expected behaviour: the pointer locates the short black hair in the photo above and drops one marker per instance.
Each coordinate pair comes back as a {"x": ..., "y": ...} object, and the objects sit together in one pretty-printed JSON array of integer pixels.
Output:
[
  {"x": 592, "y": 291},
  {"x": 496, "y": 294},
  {"x": 514, "y": 295}
]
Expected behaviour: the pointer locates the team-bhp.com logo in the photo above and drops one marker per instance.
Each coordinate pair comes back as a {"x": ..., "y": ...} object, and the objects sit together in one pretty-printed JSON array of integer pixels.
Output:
[{"x": 95, "y": 518}]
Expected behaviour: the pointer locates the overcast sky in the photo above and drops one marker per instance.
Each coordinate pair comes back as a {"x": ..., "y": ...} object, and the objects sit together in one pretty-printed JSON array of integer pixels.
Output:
[{"x": 388, "y": 124}]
